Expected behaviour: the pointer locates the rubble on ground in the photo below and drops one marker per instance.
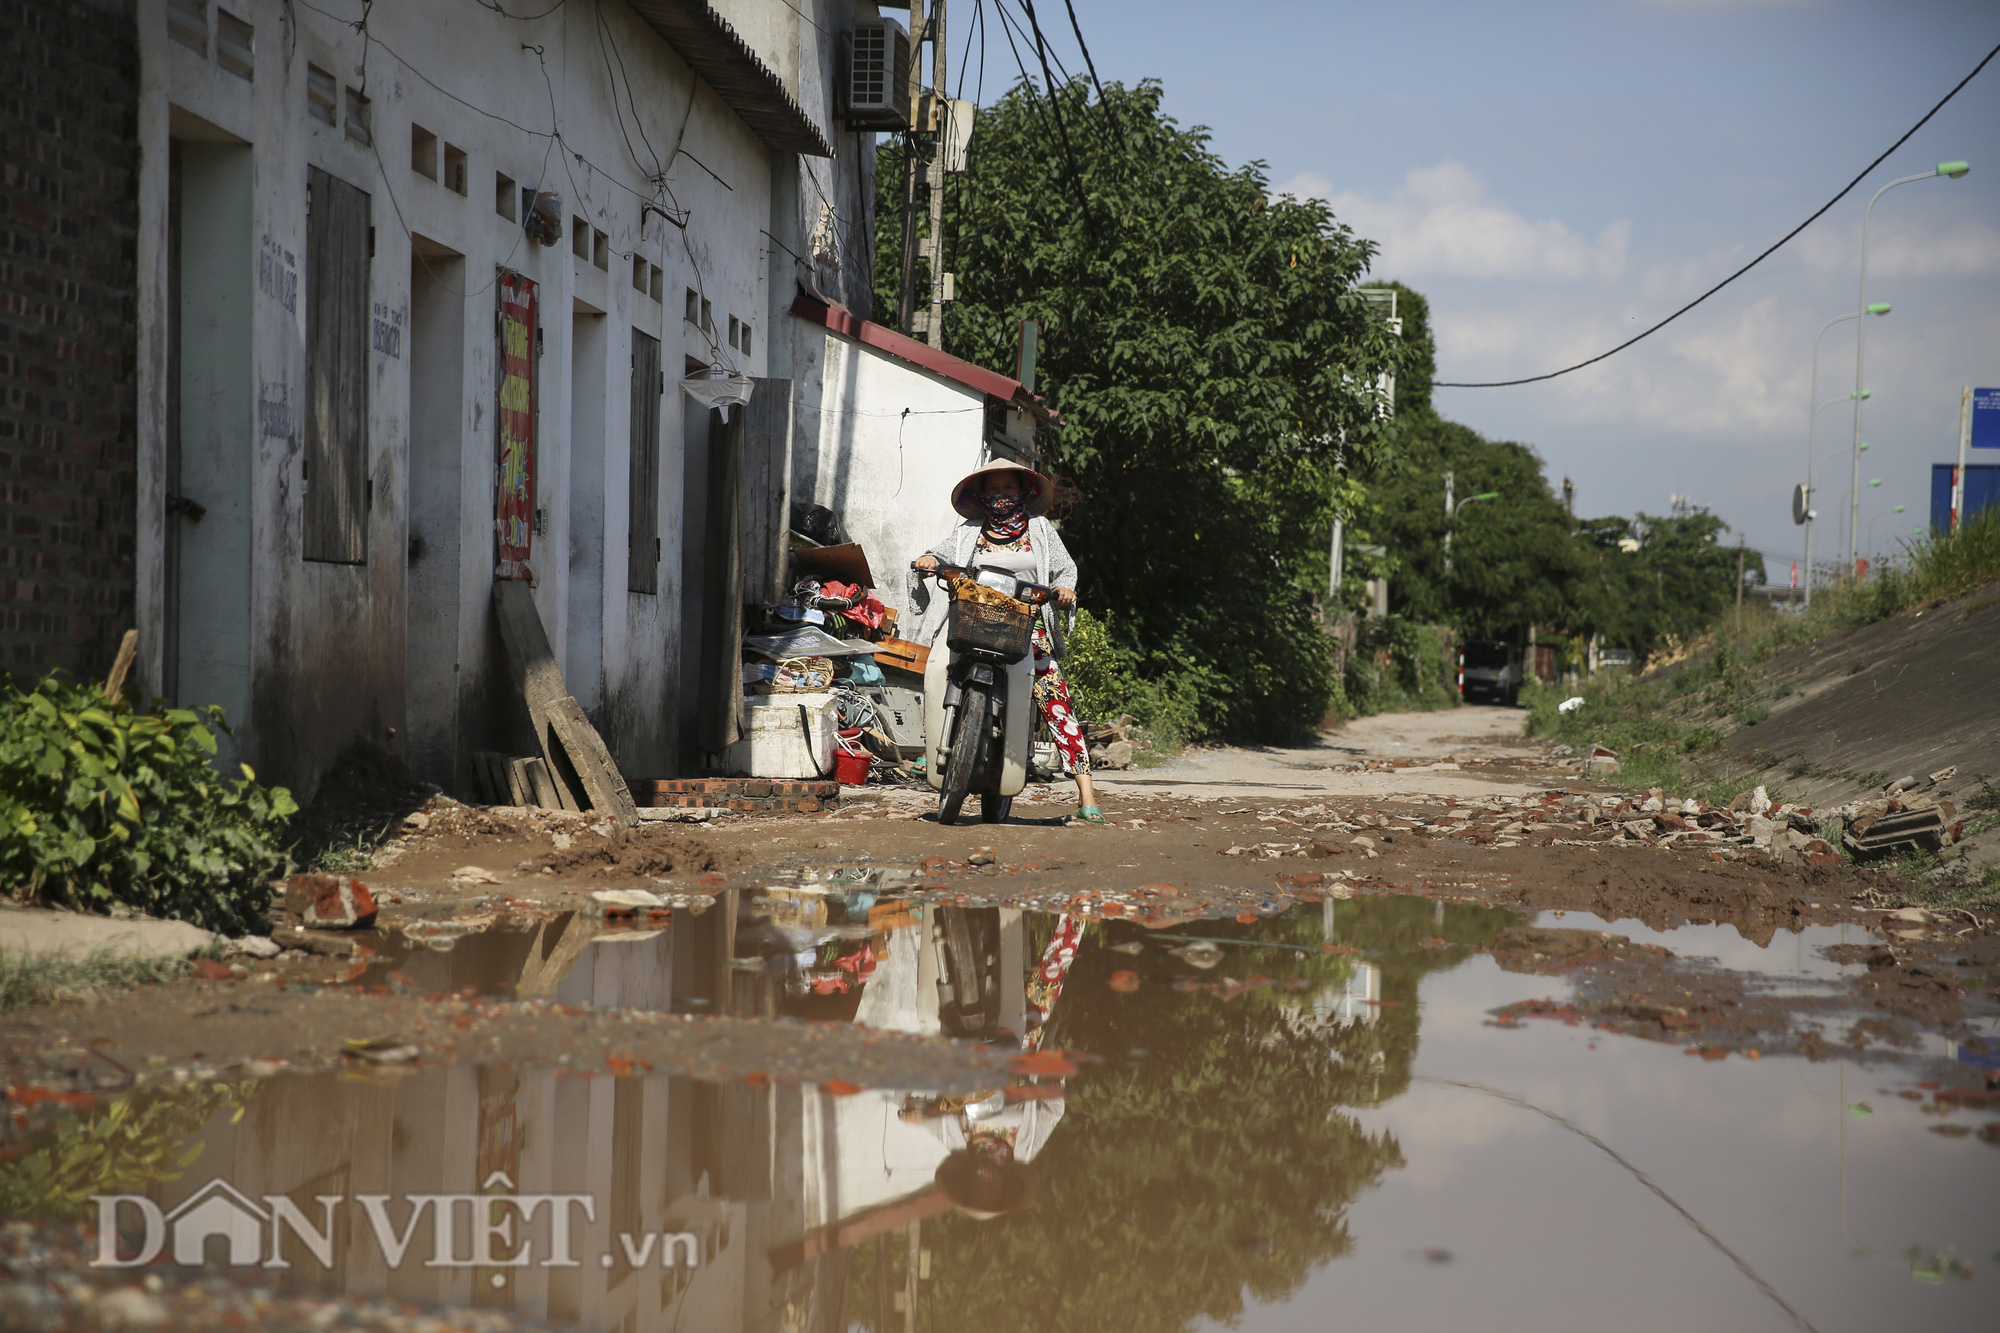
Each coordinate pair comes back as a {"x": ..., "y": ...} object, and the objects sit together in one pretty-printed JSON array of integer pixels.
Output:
[{"x": 1751, "y": 825}]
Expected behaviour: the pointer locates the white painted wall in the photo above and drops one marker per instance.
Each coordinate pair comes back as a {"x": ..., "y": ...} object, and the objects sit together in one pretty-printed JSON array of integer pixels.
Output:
[
  {"x": 888, "y": 476},
  {"x": 327, "y": 644}
]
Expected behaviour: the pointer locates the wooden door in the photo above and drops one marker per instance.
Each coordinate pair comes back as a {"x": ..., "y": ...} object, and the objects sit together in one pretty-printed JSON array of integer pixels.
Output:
[
  {"x": 336, "y": 449},
  {"x": 643, "y": 489}
]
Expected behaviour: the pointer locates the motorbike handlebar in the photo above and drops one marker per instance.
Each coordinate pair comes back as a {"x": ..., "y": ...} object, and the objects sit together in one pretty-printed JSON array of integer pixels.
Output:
[{"x": 1034, "y": 594}]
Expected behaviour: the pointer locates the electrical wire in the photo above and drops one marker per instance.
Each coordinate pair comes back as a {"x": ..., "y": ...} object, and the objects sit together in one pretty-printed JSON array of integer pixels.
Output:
[
  {"x": 1055, "y": 107},
  {"x": 1514, "y": 1099},
  {"x": 496, "y": 7},
  {"x": 1766, "y": 254},
  {"x": 1084, "y": 47}
]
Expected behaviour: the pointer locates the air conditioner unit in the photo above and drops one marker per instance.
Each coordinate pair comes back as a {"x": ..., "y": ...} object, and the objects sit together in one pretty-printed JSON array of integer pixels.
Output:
[{"x": 877, "y": 85}]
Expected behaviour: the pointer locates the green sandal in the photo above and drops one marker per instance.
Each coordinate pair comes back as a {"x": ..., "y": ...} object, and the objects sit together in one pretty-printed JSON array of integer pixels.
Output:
[{"x": 1088, "y": 814}]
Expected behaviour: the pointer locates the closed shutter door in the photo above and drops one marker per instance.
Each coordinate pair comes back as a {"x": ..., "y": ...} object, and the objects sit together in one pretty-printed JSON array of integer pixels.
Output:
[
  {"x": 767, "y": 489},
  {"x": 643, "y": 493},
  {"x": 336, "y": 459}
]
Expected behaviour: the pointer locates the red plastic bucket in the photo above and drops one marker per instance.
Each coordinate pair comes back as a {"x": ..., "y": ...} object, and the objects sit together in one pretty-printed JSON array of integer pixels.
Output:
[{"x": 850, "y": 769}]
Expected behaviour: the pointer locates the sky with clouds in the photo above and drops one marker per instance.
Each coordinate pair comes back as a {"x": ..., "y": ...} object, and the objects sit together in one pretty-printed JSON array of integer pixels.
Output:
[{"x": 1555, "y": 175}]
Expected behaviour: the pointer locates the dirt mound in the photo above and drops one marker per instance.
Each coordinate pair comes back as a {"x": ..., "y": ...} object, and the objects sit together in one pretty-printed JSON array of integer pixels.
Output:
[
  {"x": 1665, "y": 892},
  {"x": 650, "y": 851}
]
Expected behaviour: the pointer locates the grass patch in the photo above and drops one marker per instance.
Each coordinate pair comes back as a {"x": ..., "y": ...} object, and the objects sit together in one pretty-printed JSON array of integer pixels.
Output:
[
  {"x": 358, "y": 806},
  {"x": 28, "y": 979},
  {"x": 1937, "y": 569},
  {"x": 1640, "y": 720}
]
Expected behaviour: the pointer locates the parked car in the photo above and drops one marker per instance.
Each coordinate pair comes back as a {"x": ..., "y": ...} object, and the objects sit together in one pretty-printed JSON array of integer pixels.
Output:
[{"x": 1491, "y": 669}]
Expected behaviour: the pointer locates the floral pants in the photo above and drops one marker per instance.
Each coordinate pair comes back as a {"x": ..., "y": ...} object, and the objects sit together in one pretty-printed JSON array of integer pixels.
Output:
[{"x": 1052, "y": 698}]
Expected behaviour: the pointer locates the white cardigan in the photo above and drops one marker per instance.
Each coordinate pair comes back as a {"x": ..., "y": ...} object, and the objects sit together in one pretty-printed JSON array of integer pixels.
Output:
[{"x": 1053, "y": 567}]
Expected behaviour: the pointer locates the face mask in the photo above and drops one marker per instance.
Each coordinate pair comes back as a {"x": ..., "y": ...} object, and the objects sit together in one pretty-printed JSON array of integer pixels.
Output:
[{"x": 1001, "y": 507}]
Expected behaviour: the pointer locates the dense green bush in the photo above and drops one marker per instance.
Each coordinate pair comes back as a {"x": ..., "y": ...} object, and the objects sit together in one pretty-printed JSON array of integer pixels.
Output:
[
  {"x": 100, "y": 804},
  {"x": 1399, "y": 665},
  {"x": 1105, "y": 680}
]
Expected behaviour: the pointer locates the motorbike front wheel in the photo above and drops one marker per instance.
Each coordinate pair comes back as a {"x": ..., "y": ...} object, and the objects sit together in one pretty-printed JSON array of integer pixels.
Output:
[{"x": 968, "y": 737}]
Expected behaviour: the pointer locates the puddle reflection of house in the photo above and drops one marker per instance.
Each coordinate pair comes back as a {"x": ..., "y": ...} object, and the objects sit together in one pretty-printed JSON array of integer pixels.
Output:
[{"x": 772, "y": 1181}]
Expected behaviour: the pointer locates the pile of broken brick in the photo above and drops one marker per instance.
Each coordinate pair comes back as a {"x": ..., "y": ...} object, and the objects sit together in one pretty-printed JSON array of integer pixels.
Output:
[{"x": 1751, "y": 825}]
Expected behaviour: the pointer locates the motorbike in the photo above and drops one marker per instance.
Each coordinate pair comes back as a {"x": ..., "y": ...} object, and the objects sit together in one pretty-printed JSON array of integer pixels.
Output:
[{"x": 979, "y": 694}]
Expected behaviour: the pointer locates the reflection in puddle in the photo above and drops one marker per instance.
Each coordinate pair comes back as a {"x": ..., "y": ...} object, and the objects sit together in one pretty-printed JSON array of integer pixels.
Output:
[
  {"x": 1286, "y": 1118},
  {"x": 1778, "y": 955}
]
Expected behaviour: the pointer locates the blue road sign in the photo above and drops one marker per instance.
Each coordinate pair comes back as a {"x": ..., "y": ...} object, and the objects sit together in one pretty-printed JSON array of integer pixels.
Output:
[{"x": 1986, "y": 418}]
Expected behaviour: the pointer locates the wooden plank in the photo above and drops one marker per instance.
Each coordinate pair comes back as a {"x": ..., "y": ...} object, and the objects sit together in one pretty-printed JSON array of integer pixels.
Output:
[
  {"x": 643, "y": 475},
  {"x": 903, "y": 655},
  {"x": 540, "y": 786},
  {"x": 337, "y": 372},
  {"x": 602, "y": 782},
  {"x": 128, "y": 652},
  {"x": 570, "y": 745},
  {"x": 490, "y": 771},
  {"x": 537, "y": 678},
  {"x": 721, "y": 681},
  {"x": 767, "y": 488},
  {"x": 517, "y": 782}
]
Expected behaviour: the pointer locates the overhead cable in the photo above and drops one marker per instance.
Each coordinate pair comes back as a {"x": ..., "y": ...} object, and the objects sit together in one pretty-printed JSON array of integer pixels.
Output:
[{"x": 1817, "y": 213}]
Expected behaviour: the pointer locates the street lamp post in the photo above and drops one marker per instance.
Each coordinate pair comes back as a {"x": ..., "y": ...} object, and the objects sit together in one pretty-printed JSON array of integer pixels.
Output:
[
  {"x": 1451, "y": 509},
  {"x": 1840, "y": 532},
  {"x": 1876, "y": 518},
  {"x": 1952, "y": 170},
  {"x": 1812, "y": 428},
  {"x": 1844, "y": 533}
]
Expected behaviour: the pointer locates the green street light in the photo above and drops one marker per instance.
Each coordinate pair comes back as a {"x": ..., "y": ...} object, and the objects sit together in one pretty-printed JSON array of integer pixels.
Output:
[
  {"x": 1485, "y": 495},
  {"x": 1874, "y": 481},
  {"x": 1952, "y": 170},
  {"x": 1879, "y": 308}
]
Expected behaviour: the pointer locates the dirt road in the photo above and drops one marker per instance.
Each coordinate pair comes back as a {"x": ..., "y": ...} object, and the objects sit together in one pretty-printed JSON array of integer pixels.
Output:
[
  {"x": 1256, "y": 937},
  {"x": 1454, "y": 806}
]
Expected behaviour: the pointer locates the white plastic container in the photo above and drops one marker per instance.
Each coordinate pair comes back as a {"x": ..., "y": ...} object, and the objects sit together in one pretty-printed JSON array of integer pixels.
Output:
[{"x": 775, "y": 744}]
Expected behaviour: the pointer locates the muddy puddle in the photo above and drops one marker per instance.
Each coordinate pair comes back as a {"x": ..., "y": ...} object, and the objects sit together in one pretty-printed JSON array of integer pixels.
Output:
[{"x": 1375, "y": 1111}]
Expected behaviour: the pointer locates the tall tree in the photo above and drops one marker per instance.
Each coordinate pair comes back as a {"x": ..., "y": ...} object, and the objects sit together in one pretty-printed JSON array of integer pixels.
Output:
[
  {"x": 1211, "y": 359},
  {"x": 1513, "y": 562},
  {"x": 1650, "y": 579}
]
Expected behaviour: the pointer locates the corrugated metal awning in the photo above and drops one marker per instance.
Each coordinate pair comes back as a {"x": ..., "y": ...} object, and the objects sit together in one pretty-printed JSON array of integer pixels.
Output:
[{"x": 739, "y": 76}]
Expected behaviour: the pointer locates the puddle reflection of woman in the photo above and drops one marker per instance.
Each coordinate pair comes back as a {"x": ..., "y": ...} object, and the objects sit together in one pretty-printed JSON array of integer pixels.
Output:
[
  {"x": 1005, "y": 529},
  {"x": 996, "y": 1135}
]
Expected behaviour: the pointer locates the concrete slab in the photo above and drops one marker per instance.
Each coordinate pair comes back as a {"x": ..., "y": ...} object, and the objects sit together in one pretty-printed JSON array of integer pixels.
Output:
[{"x": 40, "y": 930}]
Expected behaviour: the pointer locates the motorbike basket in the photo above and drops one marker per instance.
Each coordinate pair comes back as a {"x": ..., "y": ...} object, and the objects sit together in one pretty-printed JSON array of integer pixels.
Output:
[{"x": 989, "y": 623}]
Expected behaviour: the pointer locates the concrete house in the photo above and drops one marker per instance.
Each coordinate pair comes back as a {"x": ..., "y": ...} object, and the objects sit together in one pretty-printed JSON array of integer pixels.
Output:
[{"x": 322, "y": 319}]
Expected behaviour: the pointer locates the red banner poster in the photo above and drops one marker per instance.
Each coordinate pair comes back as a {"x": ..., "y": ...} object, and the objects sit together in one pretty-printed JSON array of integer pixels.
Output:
[{"x": 514, "y": 487}]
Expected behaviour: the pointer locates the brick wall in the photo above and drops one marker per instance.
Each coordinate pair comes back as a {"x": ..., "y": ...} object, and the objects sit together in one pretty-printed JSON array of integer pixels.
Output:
[{"x": 69, "y": 188}]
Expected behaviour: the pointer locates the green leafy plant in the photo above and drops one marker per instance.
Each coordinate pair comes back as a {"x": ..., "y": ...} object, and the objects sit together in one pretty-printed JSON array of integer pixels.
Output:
[
  {"x": 101, "y": 804},
  {"x": 138, "y": 1141}
]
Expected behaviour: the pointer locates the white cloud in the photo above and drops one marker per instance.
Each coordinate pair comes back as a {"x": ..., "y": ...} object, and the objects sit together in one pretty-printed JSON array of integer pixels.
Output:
[
  {"x": 1969, "y": 248},
  {"x": 1443, "y": 221}
]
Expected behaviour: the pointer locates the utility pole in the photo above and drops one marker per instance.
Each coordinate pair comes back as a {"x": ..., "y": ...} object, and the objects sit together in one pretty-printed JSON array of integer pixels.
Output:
[
  {"x": 1742, "y": 553},
  {"x": 907, "y": 305},
  {"x": 935, "y": 122},
  {"x": 1449, "y": 510},
  {"x": 1956, "y": 515},
  {"x": 927, "y": 116}
]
